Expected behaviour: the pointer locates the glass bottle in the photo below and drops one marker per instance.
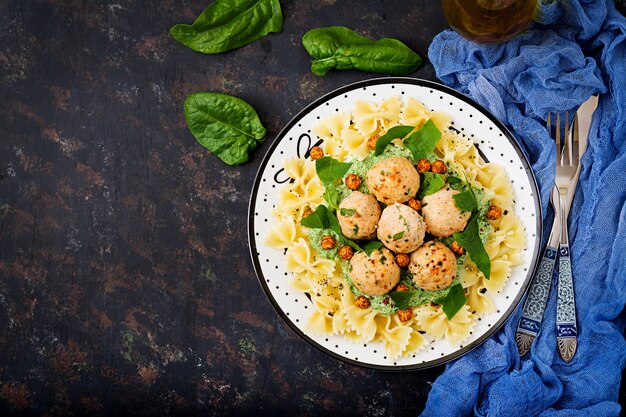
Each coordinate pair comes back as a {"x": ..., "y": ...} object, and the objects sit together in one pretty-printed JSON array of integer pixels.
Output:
[{"x": 489, "y": 21}]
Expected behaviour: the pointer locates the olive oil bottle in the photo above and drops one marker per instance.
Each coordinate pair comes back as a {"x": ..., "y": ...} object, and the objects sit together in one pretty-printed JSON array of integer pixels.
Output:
[{"x": 489, "y": 21}]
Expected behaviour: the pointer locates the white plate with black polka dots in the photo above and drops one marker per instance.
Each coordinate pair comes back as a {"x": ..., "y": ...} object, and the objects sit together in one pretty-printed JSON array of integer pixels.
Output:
[{"x": 495, "y": 143}]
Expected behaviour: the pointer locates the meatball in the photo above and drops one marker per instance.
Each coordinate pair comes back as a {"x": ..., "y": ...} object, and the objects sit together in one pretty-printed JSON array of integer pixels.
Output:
[
  {"x": 442, "y": 216},
  {"x": 433, "y": 266},
  {"x": 358, "y": 216},
  {"x": 393, "y": 180},
  {"x": 375, "y": 274},
  {"x": 401, "y": 228}
]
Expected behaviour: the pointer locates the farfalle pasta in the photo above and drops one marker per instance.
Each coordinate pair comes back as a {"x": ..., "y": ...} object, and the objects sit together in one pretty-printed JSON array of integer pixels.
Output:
[{"x": 397, "y": 299}]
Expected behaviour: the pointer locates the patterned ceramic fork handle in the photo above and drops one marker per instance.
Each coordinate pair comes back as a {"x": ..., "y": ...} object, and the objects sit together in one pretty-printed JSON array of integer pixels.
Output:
[{"x": 566, "y": 330}]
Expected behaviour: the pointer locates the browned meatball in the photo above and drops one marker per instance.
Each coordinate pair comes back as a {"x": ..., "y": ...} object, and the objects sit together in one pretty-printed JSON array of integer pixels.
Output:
[
  {"x": 358, "y": 216},
  {"x": 401, "y": 228},
  {"x": 393, "y": 180},
  {"x": 442, "y": 216},
  {"x": 433, "y": 266},
  {"x": 376, "y": 273}
]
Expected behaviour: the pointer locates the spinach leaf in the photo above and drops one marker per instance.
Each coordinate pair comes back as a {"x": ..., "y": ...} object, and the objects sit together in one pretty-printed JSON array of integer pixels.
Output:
[
  {"x": 466, "y": 200},
  {"x": 453, "y": 301},
  {"x": 431, "y": 183},
  {"x": 368, "y": 247},
  {"x": 371, "y": 246},
  {"x": 393, "y": 133},
  {"x": 229, "y": 24},
  {"x": 329, "y": 169},
  {"x": 402, "y": 298},
  {"x": 470, "y": 240},
  {"x": 332, "y": 197},
  {"x": 318, "y": 219},
  {"x": 453, "y": 180},
  {"x": 342, "y": 48},
  {"x": 322, "y": 218},
  {"x": 225, "y": 125},
  {"x": 423, "y": 142}
]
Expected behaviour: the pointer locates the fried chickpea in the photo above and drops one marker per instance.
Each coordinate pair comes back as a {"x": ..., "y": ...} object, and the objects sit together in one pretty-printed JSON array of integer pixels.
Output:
[
  {"x": 457, "y": 249},
  {"x": 353, "y": 181},
  {"x": 316, "y": 153},
  {"x": 494, "y": 213},
  {"x": 405, "y": 315},
  {"x": 402, "y": 259},
  {"x": 362, "y": 302},
  {"x": 371, "y": 142},
  {"x": 423, "y": 165},
  {"x": 346, "y": 252},
  {"x": 415, "y": 204},
  {"x": 439, "y": 167},
  {"x": 402, "y": 287},
  {"x": 328, "y": 242},
  {"x": 307, "y": 210}
]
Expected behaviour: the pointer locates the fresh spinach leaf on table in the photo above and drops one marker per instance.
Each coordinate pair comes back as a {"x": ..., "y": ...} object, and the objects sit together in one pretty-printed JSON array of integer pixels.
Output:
[
  {"x": 225, "y": 125},
  {"x": 229, "y": 24},
  {"x": 341, "y": 48}
]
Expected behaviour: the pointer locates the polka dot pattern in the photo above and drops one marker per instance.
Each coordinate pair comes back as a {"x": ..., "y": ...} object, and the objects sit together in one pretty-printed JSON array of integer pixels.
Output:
[{"x": 496, "y": 145}]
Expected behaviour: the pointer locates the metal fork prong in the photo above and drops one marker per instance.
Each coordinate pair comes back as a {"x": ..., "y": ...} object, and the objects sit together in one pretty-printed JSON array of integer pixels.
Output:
[
  {"x": 567, "y": 141},
  {"x": 567, "y": 144},
  {"x": 576, "y": 142},
  {"x": 548, "y": 125},
  {"x": 557, "y": 138}
]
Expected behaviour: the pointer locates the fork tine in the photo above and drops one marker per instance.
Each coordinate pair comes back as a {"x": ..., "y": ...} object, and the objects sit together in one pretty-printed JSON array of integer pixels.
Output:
[
  {"x": 548, "y": 125},
  {"x": 569, "y": 145},
  {"x": 576, "y": 143},
  {"x": 557, "y": 138},
  {"x": 567, "y": 142}
]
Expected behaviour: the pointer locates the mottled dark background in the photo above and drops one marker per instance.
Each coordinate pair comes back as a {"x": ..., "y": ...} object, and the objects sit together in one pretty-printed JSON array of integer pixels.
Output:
[{"x": 126, "y": 286}]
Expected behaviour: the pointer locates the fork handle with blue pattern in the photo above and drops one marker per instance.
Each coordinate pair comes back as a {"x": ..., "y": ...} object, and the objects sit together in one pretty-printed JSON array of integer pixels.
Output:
[
  {"x": 566, "y": 329},
  {"x": 535, "y": 305}
]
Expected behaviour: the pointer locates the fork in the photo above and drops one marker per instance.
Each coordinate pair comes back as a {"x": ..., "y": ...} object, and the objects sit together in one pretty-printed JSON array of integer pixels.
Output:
[
  {"x": 567, "y": 169},
  {"x": 535, "y": 305}
]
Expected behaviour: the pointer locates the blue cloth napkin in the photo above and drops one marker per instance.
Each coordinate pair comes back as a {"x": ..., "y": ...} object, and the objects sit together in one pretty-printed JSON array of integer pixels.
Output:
[{"x": 576, "y": 48}]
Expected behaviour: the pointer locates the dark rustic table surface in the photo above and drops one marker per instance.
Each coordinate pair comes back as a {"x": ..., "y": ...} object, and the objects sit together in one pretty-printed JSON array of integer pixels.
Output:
[{"x": 126, "y": 285}]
